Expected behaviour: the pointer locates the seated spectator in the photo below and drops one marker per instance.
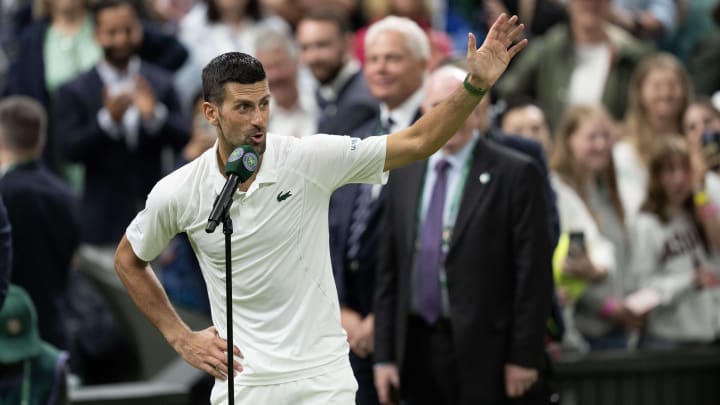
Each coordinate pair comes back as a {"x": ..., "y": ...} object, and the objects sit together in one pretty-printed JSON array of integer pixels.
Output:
[
  {"x": 118, "y": 117},
  {"x": 32, "y": 371},
  {"x": 524, "y": 118},
  {"x": 5, "y": 252},
  {"x": 43, "y": 212},
  {"x": 586, "y": 61},
  {"x": 660, "y": 91},
  {"x": 675, "y": 251},
  {"x": 591, "y": 275}
]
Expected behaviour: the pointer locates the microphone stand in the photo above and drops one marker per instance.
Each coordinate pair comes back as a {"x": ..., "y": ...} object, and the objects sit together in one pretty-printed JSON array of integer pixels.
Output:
[{"x": 227, "y": 231}]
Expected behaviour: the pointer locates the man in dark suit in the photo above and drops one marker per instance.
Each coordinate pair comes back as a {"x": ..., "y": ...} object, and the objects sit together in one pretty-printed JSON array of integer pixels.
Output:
[
  {"x": 463, "y": 289},
  {"x": 117, "y": 118},
  {"x": 43, "y": 212},
  {"x": 343, "y": 97},
  {"x": 5, "y": 252},
  {"x": 397, "y": 52}
]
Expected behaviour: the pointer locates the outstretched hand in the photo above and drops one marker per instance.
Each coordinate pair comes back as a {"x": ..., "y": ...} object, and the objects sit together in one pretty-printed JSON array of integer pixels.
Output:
[{"x": 488, "y": 63}]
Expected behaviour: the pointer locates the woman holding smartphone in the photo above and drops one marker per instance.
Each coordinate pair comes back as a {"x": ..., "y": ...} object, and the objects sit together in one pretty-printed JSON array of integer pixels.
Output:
[
  {"x": 675, "y": 254},
  {"x": 589, "y": 205}
]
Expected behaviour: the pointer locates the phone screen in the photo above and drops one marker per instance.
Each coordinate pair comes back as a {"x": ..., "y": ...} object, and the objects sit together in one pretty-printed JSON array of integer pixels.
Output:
[
  {"x": 577, "y": 244},
  {"x": 711, "y": 149}
]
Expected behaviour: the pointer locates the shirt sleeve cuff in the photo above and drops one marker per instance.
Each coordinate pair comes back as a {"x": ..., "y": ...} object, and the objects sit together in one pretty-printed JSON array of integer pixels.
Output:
[
  {"x": 108, "y": 125},
  {"x": 153, "y": 125}
]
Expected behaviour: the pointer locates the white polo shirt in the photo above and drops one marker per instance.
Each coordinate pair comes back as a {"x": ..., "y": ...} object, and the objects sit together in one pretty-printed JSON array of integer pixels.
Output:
[{"x": 286, "y": 315}]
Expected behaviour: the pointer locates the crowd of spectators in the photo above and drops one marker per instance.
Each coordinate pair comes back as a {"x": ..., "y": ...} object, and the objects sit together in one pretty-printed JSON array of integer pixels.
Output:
[{"x": 100, "y": 99}]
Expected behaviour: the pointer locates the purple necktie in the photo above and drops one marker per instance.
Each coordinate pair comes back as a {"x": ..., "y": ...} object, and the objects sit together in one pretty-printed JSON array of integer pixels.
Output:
[{"x": 431, "y": 248}]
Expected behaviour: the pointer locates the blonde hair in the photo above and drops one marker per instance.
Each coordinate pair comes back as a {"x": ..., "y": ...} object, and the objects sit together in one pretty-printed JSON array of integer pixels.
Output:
[
  {"x": 637, "y": 123},
  {"x": 564, "y": 164}
]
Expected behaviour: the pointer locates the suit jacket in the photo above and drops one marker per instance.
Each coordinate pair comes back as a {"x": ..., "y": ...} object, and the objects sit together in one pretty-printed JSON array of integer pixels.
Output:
[
  {"x": 5, "y": 252},
  {"x": 355, "y": 288},
  {"x": 43, "y": 212},
  {"x": 353, "y": 107},
  {"x": 27, "y": 72},
  {"x": 497, "y": 270},
  {"x": 117, "y": 179},
  {"x": 26, "y": 75}
]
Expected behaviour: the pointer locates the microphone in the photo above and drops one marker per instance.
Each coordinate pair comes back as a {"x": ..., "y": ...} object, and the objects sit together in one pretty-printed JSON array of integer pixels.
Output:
[{"x": 240, "y": 166}]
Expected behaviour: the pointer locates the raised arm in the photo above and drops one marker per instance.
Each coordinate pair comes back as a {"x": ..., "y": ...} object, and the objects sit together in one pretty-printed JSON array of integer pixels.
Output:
[
  {"x": 486, "y": 65},
  {"x": 202, "y": 349}
]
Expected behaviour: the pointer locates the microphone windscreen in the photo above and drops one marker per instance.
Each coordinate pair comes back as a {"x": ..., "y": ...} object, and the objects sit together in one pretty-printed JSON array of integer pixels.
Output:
[{"x": 242, "y": 162}]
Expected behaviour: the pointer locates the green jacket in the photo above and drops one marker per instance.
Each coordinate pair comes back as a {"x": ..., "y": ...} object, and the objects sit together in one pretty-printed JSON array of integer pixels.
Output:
[
  {"x": 542, "y": 71},
  {"x": 704, "y": 65},
  {"x": 48, "y": 378}
]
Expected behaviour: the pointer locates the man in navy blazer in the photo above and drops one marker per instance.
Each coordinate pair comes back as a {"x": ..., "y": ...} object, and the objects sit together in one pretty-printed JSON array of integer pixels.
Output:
[
  {"x": 342, "y": 95},
  {"x": 396, "y": 53},
  {"x": 5, "y": 252},
  {"x": 43, "y": 213},
  {"x": 116, "y": 119}
]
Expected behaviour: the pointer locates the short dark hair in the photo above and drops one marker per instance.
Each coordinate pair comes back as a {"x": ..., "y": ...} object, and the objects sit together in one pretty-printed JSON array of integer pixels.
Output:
[
  {"x": 103, "y": 5},
  {"x": 328, "y": 14},
  {"x": 231, "y": 67},
  {"x": 22, "y": 122}
]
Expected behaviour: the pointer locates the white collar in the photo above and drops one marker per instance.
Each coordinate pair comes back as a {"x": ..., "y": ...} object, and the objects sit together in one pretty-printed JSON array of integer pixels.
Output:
[
  {"x": 108, "y": 72},
  {"x": 404, "y": 114},
  {"x": 458, "y": 158}
]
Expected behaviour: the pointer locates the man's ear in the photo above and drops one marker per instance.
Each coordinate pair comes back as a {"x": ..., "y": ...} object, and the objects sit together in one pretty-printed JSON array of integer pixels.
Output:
[{"x": 211, "y": 113}]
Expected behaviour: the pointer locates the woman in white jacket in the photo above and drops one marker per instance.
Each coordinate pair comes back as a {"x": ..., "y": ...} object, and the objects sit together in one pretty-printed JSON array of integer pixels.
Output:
[
  {"x": 677, "y": 235},
  {"x": 588, "y": 202}
]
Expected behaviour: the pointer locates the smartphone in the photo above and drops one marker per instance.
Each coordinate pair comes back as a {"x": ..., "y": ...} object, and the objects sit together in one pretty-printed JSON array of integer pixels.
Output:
[
  {"x": 577, "y": 244},
  {"x": 711, "y": 149}
]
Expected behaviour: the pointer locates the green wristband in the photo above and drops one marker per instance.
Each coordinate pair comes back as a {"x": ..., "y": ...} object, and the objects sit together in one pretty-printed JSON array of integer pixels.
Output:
[{"x": 475, "y": 91}]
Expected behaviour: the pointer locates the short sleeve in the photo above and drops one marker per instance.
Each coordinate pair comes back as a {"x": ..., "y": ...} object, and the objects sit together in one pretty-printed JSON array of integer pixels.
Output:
[
  {"x": 154, "y": 226},
  {"x": 333, "y": 161}
]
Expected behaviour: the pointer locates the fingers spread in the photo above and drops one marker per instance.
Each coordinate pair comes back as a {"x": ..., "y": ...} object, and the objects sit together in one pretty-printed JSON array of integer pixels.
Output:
[
  {"x": 514, "y": 34},
  {"x": 472, "y": 43},
  {"x": 517, "y": 48}
]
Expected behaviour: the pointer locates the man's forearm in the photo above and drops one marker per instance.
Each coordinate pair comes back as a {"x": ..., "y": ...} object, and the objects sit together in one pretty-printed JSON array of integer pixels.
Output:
[
  {"x": 436, "y": 127},
  {"x": 150, "y": 297},
  {"x": 432, "y": 130}
]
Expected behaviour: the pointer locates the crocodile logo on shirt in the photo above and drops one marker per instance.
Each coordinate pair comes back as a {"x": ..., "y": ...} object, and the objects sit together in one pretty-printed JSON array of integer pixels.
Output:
[{"x": 283, "y": 196}]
